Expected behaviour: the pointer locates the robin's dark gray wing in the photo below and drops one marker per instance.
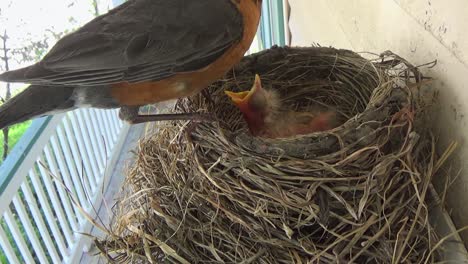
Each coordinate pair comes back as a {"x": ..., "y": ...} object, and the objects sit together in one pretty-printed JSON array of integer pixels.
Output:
[{"x": 141, "y": 40}]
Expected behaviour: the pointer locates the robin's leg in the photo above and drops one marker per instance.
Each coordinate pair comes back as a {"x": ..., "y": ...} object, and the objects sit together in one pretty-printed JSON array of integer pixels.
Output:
[{"x": 132, "y": 116}]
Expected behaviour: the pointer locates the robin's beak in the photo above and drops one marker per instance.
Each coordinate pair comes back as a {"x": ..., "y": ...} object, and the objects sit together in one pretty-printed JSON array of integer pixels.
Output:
[{"x": 241, "y": 98}]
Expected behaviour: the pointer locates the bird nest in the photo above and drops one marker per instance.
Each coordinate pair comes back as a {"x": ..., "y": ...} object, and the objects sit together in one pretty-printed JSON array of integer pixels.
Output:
[{"x": 209, "y": 192}]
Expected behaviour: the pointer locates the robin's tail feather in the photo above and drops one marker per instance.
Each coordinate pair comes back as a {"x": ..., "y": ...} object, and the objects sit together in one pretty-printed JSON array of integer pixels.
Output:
[
  {"x": 35, "y": 101},
  {"x": 18, "y": 75}
]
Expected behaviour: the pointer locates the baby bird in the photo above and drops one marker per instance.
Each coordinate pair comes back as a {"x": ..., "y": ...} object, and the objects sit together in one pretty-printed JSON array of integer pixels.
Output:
[{"x": 267, "y": 117}]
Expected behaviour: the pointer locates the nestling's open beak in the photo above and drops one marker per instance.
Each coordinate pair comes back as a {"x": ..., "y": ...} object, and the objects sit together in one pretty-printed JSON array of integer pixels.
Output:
[{"x": 244, "y": 97}]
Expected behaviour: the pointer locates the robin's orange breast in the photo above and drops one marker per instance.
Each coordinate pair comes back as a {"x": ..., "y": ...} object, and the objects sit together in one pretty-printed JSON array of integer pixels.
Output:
[{"x": 189, "y": 83}]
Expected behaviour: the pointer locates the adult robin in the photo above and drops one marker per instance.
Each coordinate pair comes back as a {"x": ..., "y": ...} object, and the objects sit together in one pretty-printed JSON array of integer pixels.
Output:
[
  {"x": 267, "y": 116},
  {"x": 142, "y": 52}
]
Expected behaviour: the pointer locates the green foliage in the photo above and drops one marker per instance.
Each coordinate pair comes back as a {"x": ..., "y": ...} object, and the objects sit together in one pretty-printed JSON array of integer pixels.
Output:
[
  {"x": 9, "y": 235},
  {"x": 23, "y": 233},
  {"x": 15, "y": 134},
  {"x": 32, "y": 51}
]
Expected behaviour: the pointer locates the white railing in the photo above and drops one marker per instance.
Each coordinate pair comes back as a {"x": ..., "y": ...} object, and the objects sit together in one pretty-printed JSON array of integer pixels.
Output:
[{"x": 58, "y": 167}]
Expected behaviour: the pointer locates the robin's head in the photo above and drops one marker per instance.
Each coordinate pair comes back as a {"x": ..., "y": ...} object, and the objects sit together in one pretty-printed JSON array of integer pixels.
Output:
[{"x": 255, "y": 104}]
